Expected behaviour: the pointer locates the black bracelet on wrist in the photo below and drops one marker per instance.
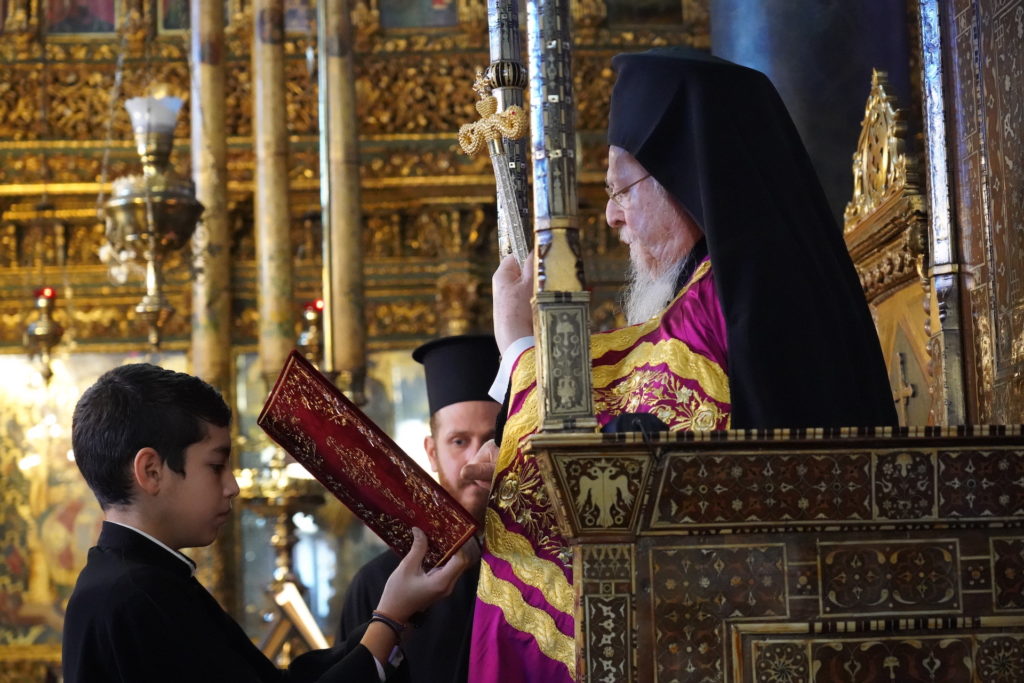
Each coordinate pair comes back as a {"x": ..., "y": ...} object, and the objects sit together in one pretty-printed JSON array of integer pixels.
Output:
[{"x": 395, "y": 625}]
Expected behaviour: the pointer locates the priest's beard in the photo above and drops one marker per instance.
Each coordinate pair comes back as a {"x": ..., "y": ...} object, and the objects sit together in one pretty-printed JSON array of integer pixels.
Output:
[{"x": 646, "y": 294}]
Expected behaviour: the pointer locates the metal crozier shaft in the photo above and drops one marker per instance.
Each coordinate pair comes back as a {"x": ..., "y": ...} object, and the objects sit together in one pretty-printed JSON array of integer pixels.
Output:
[{"x": 561, "y": 306}]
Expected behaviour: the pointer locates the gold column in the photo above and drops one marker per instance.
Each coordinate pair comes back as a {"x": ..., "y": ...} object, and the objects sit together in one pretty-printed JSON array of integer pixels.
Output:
[
  {"x": 211, "y": 257},
  {"x": 270, "y": 137},
  {"x": 211, "y": 244},
  {"x": 344, "y": 327}
]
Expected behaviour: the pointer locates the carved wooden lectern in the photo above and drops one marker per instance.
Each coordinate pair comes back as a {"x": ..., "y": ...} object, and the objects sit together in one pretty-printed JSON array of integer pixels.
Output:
[{"x": 794, "y": 556}]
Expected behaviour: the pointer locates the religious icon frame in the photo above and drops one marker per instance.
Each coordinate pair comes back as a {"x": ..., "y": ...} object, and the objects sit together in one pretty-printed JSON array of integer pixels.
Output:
[
  {"x": 117, "y": 10},
  {"x": 231, "y": 7},
  {"x": 406, "y": 28}
]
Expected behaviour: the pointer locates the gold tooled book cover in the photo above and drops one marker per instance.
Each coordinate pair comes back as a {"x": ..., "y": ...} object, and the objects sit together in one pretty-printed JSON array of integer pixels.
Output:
[{"x": 357, "y": 462}]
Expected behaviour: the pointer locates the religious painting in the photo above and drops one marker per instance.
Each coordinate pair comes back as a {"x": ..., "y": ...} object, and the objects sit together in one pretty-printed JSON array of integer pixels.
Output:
[
  {"x": 174, "y": 15},
  {"x": 299, "y": 16},
  {"x": 418, "y": 13},
  {"x": 48, "y": 516},
  {"x": 641, "y": 12},
  {"x": 81, "y": 16}
]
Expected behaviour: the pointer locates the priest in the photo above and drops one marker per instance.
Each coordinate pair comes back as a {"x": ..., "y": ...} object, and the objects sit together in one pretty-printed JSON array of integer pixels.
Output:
[
  {"x": 745, "y": 312},
  {"x": 458, "y": 373}
]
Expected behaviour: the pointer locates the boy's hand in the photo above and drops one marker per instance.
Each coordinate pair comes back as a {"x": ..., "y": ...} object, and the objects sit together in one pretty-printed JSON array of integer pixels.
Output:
[{"x": 410, "y": 590}]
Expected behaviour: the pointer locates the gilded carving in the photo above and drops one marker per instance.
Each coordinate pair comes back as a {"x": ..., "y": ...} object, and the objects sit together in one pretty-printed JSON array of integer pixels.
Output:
[
  {"x": 135, "y": 27},
  {"x": 419, "y": 163},
  {"x": 21, "y": 26},
  {"x": 881, "y": 169},
  {"x": 238, "y": 98},
  {"x": 382, "y": 234},
  {"x": 365, "y": 23},
  {"x": 19, "y": 102},
  {"x": 592, "y": 83},
  {"x": 587, "y": 17},
  {"x": 301, "y": 98},
  {"x": 885, "y": 221},
  {"x": 598, "y": 238},
  {"x": 416, "y": 93},
  {"x": 458, "y": 303},
  {"x": 472, "y": 17},
  {"x": 389, "y": 318}
]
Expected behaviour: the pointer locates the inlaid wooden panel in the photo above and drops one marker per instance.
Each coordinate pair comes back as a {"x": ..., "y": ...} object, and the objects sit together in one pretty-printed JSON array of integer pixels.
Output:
[{"x": 799, "y": 555}]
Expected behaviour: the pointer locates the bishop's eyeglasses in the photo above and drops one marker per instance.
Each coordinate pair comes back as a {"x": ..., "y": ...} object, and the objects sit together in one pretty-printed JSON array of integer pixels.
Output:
[{"x": 618, "y": 196}]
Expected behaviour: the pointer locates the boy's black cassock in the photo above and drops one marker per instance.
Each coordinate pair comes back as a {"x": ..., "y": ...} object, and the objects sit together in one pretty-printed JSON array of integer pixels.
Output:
[
  {"x": 437, "y": 649},
  {"x": 136, "y": 614}
]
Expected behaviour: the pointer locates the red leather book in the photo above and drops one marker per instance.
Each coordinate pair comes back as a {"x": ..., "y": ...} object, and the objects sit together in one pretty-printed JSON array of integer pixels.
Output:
[{"x": 357, "y": 462}]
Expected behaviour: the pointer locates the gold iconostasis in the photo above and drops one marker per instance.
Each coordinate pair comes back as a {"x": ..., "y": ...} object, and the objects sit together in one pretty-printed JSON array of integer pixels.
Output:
[{"x": 428, "y": 244}]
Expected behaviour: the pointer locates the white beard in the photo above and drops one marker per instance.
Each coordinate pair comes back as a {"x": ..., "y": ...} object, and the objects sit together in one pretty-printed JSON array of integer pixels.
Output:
[{"x": 645, "y": 295}]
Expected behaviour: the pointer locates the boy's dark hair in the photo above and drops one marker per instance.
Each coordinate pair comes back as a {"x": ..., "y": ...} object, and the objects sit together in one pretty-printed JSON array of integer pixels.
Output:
[{"x": 134, "y": 406}]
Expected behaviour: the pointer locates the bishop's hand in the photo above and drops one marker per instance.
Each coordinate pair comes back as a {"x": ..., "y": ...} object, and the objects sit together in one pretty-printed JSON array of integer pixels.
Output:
[{"x": 512, "y": 289}]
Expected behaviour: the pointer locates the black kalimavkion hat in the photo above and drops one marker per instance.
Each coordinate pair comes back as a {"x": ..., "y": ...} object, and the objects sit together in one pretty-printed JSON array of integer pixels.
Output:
[
  {"x": 803, "y": 351},
  {"x": 458, "y": 369}
]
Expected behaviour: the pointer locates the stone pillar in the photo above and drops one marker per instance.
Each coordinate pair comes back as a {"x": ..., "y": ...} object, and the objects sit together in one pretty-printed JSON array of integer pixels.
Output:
[
  {"x": 344, "y": 326},
  {"x": 211, "y": 259},
  {"x": 211, "y": 245},
  {"x": 819, "y": 55},
  {"x": 274, "y": 252}
]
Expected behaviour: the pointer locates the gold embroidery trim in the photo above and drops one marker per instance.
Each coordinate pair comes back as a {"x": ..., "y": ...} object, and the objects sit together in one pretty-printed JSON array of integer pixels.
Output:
[
  {"x": 618, "y": 340},
  {"x": 527, "y": 619},
  {"x": 525, "y": 370},
  {"x": 524, "y": 421},
  {"x": 681, "y": 360},
  {"x": 536, "y": 572}
]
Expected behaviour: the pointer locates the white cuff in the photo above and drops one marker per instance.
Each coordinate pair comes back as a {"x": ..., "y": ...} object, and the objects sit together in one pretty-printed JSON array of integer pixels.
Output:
[
  {"x": 380, "y": 670},
  {"x": 508, "y": 359}
]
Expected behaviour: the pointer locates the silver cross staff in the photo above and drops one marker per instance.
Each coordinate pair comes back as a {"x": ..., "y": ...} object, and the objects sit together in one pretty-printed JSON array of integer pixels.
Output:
[{"x": 492, "y": 126}]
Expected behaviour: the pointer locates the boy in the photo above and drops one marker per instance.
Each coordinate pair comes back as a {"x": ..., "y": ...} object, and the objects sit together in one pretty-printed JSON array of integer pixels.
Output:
[{"x": 154, "y": 447}]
